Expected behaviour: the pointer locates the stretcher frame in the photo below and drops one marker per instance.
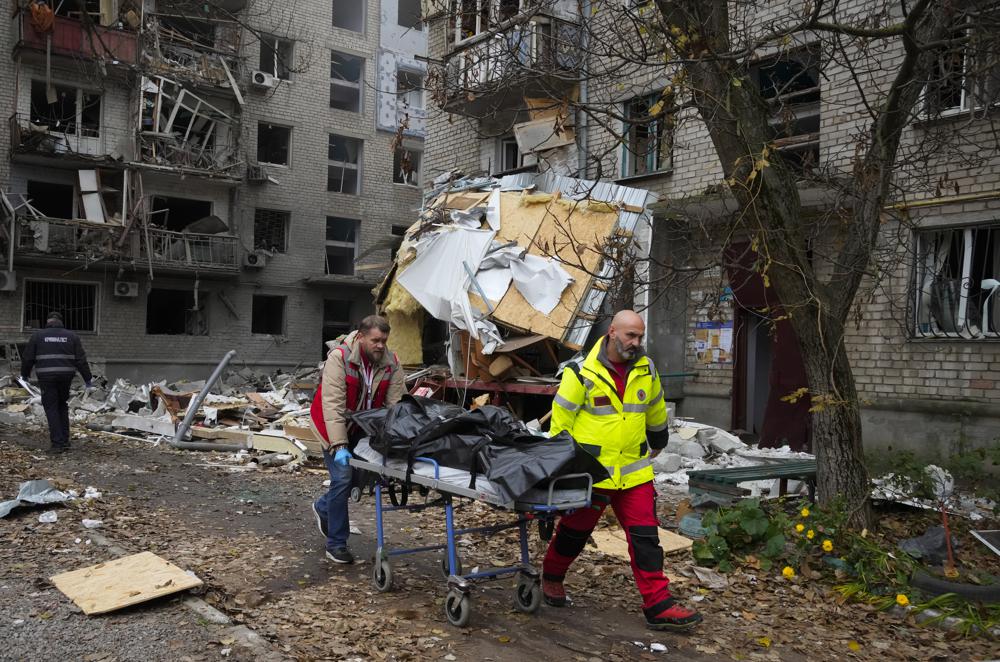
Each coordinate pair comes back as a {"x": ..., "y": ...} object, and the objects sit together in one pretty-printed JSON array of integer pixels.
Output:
[{"x": 458, "y": 603}]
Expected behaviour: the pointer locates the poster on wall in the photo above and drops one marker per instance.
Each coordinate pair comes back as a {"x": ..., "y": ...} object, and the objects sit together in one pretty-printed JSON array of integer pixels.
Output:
[{"x": 713, "y": 342}]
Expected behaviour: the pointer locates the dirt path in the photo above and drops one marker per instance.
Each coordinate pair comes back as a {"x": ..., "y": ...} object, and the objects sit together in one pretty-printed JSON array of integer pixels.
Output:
[{"x": 251, "y": 538}]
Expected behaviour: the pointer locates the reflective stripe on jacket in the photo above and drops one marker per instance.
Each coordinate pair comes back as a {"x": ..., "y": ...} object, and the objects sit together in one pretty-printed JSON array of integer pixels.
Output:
[
  {"x": 56, "y": 354},
  {"x": 619, "y": 432}
]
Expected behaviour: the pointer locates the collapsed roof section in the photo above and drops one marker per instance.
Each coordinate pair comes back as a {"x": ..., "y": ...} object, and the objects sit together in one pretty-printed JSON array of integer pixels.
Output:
[{"x": 500, "y": 258}]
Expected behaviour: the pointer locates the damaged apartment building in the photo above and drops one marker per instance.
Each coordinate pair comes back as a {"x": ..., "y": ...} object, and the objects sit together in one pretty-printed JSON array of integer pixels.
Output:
[
  {"x": 184, "y": 178},
  {"x": 508, "y": 79}
]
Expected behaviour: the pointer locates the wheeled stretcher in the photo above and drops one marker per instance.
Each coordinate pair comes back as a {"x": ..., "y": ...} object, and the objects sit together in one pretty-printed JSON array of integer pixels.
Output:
[{"x": 562, "y": 494}]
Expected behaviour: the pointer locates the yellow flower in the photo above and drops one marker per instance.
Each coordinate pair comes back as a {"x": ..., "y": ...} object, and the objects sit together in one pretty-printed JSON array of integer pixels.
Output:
[
  {"x": 804, "y": 512},
  {"x": 799, "y": 528},
  {"x": 827, "y": 546},
  {"x": 789, "y": 573},
  {"x": 902, "y": 600},
  {"x": 810, "y": 533}
]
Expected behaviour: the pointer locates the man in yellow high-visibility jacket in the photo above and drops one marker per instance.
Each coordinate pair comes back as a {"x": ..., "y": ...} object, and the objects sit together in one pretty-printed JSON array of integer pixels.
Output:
[{"x": 613, "y": 406}]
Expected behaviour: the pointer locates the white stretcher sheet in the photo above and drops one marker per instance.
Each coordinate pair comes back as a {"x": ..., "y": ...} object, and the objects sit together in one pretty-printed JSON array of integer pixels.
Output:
[{"x": 563, "y": 498}]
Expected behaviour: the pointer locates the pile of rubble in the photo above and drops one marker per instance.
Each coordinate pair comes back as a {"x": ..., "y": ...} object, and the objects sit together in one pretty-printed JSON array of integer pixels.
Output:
[{"x": 247, "y": 409}]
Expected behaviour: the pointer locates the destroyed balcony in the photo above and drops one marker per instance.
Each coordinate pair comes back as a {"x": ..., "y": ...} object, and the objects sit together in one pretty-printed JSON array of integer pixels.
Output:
[
  {"x": 495, "y": 70},
  {"x": 173, "y": 152},
  {"x": 199, "y": 51},
  {"x": 71, "y": 38},
  {"x": 183, "y": 252},
  {"x": 42, "y": 240},
  {"x": 35, "y": 139}
]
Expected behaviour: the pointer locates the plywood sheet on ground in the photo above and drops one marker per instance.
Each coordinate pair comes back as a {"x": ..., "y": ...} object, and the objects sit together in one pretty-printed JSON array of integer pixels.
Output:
[
  {"x": 573, "y": 234},
  {"x": 123, "y": 582},
  {"x": 612, "y": 542}
]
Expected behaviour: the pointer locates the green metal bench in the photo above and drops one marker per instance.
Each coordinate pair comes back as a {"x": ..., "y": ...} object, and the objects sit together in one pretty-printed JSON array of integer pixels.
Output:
[{"x": 724, "y": 483}]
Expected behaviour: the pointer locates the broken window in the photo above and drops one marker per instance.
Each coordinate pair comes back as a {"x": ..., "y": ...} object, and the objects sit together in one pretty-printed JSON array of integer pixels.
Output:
[
  {"x": 175, "y": 313},
  {"x": 336, "y": 320},
  {"x": 957, "y": 283},
  {"x": 272, "y": 143},
  {"x": 966, "y": 72},
  {"x": 649, "y": 141},
  {"x": 73, "y": 111},
  {"x": 509, "y": 154},
  {"x": 408, "y": 14},
  {"x": 276, "y": 56},
  {"x": 406, "y": 166},
  {"x": 268, "y": 315},
  {"x": 71, "y": 8},
  {"x": 398, "y": 231},
  {"x": 52, "y": 200},
  {"x": 346, "y": 75},
  {"x": 789, "y": 84},
  {"x": 77, "y": 302},
  {"x": 270, "y": 229},
  {"x": 186, "y": 30},
  {"x": 175, "y": 214},
  {"x": 182, "y": 129},
  {"x": 349, "y": 15},
  {"x": 343, "y": 174},
  {"x": 410, "y": 89},
  {"x": 341, "y": 245}
]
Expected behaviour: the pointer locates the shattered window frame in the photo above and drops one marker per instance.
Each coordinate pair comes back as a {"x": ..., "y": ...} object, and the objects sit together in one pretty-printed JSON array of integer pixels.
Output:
[
  {"x": 649, "y": 147},
  {"x": 270, "y": 126},
  {"x": 507, "y": 145},
  {"x": 411, "y": 93},
  {"x": 270, "y": 229},
  {"x": 402, "y": 156},
  {"x": 351, "y": 97},
  {"x": 948, "y": 297},
  {"x": 276, "y": 55},
  {"x": 341, "y": 146},
  {"x": 342, "y": 236},
  {"x": 471, "y": 18},
  {"x": 411, "y": 19},
  {"x": 78, "y": 301},
  {"x": 958, "y": 83},
  {"x": 83, "y": 121},
  {"x": 790, "y": 84},
  {"x": 195, "y": 319},
  {"x": 259, "y": 315}
]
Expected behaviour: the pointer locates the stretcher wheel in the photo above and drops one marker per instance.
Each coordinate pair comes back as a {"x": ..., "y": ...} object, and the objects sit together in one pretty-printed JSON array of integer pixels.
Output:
[
  {"x": 445, "y": 570},
  {"x": 382, "y": 575},
  {"x": 355, "y": 494},
  {"x": 527, "y": 595},
  {"x": 545, "y": 528},
  {"x": 457, "y": 608}
]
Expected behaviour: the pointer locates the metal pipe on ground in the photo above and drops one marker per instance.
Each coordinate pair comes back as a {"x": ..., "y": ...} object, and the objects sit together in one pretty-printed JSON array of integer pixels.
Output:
[{"x": 182, "y": 429}]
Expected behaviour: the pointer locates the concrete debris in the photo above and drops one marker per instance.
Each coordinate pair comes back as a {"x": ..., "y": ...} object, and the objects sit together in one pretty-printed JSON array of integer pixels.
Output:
[
  {"x": 667, "y": 463},
  {"x": 902, "y": 489},
  {"x": 267, "y": 412}
]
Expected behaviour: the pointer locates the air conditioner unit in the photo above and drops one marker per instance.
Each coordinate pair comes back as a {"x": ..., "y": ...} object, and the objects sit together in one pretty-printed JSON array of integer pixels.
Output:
[
  {"x": 256, "y": 174},
  {"x": 263, "y": 80},
  {"x": 8, "y": 281},
  {"x": 126, "y": 289},
  {"x": 255, "y": 260}
]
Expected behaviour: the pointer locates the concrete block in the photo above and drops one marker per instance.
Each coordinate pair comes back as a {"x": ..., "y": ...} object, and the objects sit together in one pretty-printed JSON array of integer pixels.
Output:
[
  {"x": 688, "y": 448},
  {"x": 667, "y": 463}
]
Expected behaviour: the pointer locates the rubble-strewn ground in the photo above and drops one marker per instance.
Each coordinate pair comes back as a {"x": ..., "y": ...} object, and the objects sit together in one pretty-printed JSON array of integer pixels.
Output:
[{"x": 249, "y": 535}]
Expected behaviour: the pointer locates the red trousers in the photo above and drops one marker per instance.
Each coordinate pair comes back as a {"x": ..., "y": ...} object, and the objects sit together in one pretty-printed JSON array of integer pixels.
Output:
[{"x": 636, "y": 511}]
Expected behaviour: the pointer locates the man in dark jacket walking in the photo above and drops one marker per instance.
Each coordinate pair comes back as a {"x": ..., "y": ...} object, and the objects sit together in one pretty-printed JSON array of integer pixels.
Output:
[{"x": 56, "y": 354}]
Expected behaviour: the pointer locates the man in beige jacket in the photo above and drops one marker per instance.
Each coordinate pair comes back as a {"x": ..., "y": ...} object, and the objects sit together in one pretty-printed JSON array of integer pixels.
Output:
[{"x": 360, "y": 373}]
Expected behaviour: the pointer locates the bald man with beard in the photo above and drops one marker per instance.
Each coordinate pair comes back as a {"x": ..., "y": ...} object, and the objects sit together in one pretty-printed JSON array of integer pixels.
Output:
[{"x": 613, "y": 406}]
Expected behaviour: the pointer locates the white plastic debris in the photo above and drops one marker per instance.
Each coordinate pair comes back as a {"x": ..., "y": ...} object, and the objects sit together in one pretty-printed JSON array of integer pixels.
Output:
[
  {"x": 48, "y": 517},
  {"x": 91, "y": 493},
  {"x": 92, "y": 523},
  {"x": 657, "y": 647}
]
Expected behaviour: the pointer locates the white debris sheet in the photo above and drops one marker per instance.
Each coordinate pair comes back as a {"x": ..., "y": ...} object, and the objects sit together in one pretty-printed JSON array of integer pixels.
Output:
[{"x": 34, "y": 493}]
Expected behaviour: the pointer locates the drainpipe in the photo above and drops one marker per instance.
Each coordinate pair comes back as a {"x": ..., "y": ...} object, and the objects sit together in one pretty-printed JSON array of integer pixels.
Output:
[
  {"x": 182, "y": 429},
  {"x": 584, "y": 163}
]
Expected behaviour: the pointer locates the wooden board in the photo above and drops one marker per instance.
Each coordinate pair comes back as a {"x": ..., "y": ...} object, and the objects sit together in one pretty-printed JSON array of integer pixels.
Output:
[
  {"x": 123, "y": 582},
  {"x": 613, "y": 543},
  {"x": 572, "y": 234}
]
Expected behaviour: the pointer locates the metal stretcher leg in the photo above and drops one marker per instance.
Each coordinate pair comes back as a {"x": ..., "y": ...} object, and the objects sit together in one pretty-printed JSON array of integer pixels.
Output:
[{"x": 381, "y": 569}]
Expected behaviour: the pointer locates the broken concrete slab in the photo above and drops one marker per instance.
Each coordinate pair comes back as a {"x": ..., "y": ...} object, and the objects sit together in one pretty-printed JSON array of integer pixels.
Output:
[
  {"x": 667, "y": 462},
  {"x": 688, "y": 448},
  {"x": 161, "y": 426},
  {"x": 719, "y": 440}
]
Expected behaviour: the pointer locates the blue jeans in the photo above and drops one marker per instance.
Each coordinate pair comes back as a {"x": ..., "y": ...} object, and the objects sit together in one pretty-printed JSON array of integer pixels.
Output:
[{"x": 332, "y": 506}]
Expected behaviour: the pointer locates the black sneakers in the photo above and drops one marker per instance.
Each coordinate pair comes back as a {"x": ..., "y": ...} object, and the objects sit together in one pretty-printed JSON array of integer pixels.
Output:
[
  {"x": 320, "y": 521},
  {"x": 340, "y": 555}
]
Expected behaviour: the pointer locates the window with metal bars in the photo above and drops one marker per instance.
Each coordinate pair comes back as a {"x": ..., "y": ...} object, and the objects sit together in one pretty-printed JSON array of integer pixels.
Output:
[
  {"x": 76, "y": 302},
  {"x": 956, "y": 282},
  {"x": 270, "y": 230}
]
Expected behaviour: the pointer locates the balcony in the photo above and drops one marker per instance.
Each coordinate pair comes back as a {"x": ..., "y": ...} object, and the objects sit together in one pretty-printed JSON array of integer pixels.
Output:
[
  {"x": 487, "y": 72},
  {"x": 184, "y": 252},
  {"x": 171, "y": 151},
  {"x": 71, "y": 39},
  {"x": 42, "y": 240},
  {"x": 75, "y": 145}
]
